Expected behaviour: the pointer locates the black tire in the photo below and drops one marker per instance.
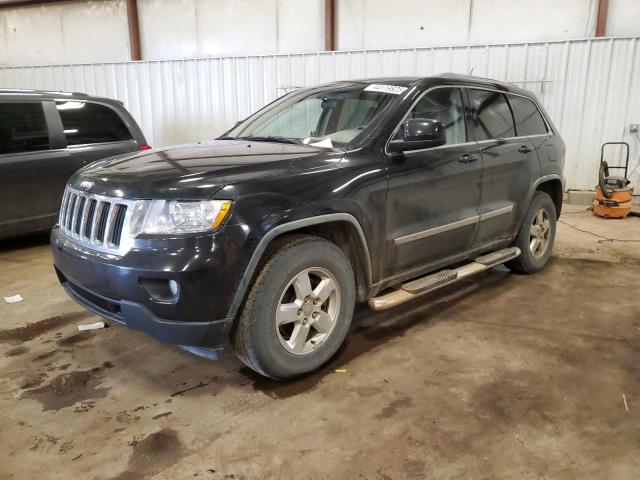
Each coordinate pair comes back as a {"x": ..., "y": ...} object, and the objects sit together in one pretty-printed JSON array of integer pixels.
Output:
[
  {"x": 256, "y": 339},
  {"x": 527, "y": 262}
]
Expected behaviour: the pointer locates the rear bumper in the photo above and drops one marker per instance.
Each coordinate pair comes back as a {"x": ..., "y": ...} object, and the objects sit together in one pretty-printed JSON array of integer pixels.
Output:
[{"x": 113, "y": 287}]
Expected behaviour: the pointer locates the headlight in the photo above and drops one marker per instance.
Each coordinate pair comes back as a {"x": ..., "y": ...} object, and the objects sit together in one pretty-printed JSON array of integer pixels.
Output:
[{"x": 171, "y": 216}]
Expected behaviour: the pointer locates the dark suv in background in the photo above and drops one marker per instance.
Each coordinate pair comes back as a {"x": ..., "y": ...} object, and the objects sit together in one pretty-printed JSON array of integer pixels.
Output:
[
  {"x": 44, "y": 138},
  {"x": 373, "y": 191}
]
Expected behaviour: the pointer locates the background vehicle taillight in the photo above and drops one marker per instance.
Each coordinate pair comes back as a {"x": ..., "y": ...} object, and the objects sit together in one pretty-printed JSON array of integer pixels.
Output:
[{"x": 145, "y": 147}]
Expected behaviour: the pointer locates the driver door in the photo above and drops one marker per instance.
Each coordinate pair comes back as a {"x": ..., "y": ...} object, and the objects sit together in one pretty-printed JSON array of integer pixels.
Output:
[{"x": 434, "y": 193}]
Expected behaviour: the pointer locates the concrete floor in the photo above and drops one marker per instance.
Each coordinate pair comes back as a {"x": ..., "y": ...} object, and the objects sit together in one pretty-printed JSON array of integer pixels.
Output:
[{"x": 506, "y": 376}]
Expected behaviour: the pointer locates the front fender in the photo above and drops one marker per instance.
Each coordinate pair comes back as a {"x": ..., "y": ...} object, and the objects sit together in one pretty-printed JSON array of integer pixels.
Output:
[{"x": 288, "y": 227}]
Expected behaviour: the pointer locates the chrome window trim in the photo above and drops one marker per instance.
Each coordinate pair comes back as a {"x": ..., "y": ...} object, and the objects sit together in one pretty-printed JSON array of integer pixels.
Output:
[
  {"x": 70, "y": 148},
  {"x": 549, "y": 133},
  {"x": 30, "y": 152},
  {"x": 519, "y": 137},
  {"x": 85, "y": 145},
  {"x": 412, "y": 237},
  {"x": 442, "y": 147}
]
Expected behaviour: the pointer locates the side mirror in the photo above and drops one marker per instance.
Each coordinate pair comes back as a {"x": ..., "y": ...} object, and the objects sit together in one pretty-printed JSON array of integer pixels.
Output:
[{"x": 419, "y": 133}]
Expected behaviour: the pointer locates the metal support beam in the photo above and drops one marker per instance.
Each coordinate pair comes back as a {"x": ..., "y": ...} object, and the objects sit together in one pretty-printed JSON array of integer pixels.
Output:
[
  {"x": 603, "y": 9},
  {"x": 329, "y": 25},
  {"x": 134, "y": 29},
  {"x": 27, "y": 3},
  {"x": 132, "y": 18}
]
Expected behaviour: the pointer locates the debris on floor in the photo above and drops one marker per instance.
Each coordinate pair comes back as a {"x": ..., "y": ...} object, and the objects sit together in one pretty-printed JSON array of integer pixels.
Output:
[
  {"x": 341, "y": 370},
  {"x": 91, "y": 326},
  {"x": 624, "y": 399},
  {"x": 14, "y": 298}
]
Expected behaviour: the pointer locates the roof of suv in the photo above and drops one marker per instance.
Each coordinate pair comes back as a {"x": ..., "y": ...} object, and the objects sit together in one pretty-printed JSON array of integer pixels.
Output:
[
  {"x": 18, "y": 93},
  {"x": 488, "y": 82},
  {"x": 450, "y": 78}
]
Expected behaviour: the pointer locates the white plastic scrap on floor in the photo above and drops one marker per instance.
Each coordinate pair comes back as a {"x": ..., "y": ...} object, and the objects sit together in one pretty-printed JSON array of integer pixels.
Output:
[
  {"x": 91, "y": 326},
  {"x": 14, "y": 298}
]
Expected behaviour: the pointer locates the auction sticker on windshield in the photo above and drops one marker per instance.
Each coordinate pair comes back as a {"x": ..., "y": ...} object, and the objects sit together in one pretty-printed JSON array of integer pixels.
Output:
[{"x": 393, "y": 89}]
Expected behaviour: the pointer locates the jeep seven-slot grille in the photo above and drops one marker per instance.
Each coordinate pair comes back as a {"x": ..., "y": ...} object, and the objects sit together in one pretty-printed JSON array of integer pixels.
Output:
[{"x": 95, "y": 220}]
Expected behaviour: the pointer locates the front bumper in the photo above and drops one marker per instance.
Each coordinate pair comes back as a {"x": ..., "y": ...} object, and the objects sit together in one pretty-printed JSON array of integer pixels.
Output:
[{"x": 206, "y": 267}]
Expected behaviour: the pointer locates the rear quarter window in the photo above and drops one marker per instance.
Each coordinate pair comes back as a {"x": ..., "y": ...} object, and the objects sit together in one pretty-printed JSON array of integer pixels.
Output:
[
  {"x": 528, "y": 118},
  {"x": 86, "y": 123},
  {"x": 23, "y": 128}
]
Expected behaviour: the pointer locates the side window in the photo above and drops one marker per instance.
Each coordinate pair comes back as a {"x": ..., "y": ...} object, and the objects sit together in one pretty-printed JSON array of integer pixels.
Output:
[
  {"x": 529, "y": 121},
  {"x": 444, "y": 105},
  {"x": 493, "y": 113},
  {"x": 85, "y": 123},
  {"x": 23, "y": 128}
]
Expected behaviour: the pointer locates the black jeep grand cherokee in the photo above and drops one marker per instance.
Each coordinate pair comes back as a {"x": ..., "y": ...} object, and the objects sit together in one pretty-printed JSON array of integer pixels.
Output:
[{"x": 356, "y": 191}]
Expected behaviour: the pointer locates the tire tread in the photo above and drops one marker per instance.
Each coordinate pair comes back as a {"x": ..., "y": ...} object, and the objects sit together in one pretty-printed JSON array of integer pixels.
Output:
[
  {"x": 523, "y": 264},
  {"x": 242, "y": 341}
]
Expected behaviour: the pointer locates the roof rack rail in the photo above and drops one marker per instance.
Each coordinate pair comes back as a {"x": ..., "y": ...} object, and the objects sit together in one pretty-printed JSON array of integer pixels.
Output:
[{"x": 43, "y": 92}]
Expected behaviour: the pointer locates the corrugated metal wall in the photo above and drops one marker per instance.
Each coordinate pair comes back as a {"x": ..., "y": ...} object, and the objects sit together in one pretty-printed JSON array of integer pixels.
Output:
[{"x": 591, "y": 88}]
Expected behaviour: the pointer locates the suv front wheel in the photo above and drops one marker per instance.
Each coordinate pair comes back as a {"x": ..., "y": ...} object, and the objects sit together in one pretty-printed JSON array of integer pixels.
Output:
[{"x": 298, "y": 311}]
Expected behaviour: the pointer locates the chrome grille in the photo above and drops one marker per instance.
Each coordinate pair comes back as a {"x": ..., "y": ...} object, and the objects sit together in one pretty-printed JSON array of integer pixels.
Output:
[{"x": 97, "y": 221}]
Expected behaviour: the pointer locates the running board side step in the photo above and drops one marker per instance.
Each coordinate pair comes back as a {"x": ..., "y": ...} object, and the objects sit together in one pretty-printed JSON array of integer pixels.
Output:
[{"x": 435, "y": 281}]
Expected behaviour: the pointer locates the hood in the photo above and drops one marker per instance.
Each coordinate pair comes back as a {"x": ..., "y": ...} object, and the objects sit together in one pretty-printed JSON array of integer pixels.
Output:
[{"x": 197, "y": 171}]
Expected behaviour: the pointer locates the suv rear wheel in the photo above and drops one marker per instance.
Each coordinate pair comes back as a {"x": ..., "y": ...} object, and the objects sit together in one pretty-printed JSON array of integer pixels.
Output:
[
  {"x": 298, "y": 311},
  {"x": 536, "y": 235}
]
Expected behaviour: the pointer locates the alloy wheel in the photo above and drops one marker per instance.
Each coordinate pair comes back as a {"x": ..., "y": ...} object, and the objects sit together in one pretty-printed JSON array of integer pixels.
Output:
[
  {"x": 307, "y": 311},
  {"x": 539, "y": 233}
]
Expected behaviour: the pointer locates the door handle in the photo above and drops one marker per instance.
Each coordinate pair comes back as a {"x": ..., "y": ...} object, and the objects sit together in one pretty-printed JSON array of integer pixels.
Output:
[
  {"x": 467, "y": 158},
  {"x": 525, "y": 149}
]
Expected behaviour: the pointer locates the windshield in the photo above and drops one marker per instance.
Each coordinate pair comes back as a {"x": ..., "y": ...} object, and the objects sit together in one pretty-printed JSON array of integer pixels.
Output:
[{"x": 325, "y": 116}]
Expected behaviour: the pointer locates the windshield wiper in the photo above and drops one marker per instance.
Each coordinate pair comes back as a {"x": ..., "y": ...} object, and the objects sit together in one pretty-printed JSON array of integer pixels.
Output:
[{"x": 274, "y": 138}]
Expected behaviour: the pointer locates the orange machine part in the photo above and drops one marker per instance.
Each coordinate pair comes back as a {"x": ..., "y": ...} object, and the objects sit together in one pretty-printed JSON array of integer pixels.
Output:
[{"x": 621, "y": 196}]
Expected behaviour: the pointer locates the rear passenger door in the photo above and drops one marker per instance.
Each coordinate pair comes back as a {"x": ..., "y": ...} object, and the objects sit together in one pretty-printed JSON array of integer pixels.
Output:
[
  {"x": 32, "y": 157},
  {"x": 531, "y": 124},
  {"x": 510, "y": 163},
  {"x": 93, "y": 131}
]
